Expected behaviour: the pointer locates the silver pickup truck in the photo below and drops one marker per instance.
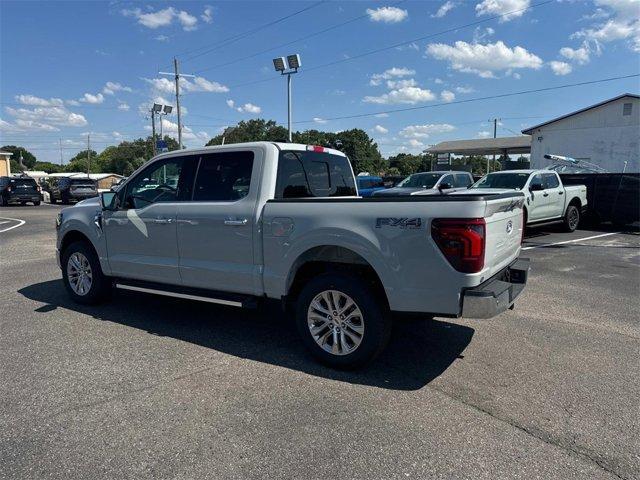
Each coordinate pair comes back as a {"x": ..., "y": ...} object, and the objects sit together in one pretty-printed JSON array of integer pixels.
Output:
[{"x": 239, "y": 224}]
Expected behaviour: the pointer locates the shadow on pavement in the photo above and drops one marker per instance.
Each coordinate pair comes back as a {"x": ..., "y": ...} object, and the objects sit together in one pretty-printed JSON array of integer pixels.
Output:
[{"x": 419, "y": 351}]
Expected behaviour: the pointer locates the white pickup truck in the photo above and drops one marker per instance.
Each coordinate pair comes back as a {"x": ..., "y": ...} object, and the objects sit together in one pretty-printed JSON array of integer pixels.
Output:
[
  {"x": 239, "y": 224},
  {"x": 547, "y": 200}
]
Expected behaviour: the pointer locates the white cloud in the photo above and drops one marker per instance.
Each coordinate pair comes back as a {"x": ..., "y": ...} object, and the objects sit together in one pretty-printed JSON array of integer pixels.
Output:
[
  {"x": 438, "y": 81},
  {"x": 483, "y": 134},
  {"x": 465, "y": 89},
  {"x": 624, "y": 24},
  {"x": 26, "y": 126},
  {"x": 447, "y": 96},
  {"x": 480, "y": 34},
  {"x": 198, "y": 84},
  {"x": 231, "y": 103},
  {"x": 579, "y": 55},
  {"x": 124, "y": 107},
  {"x": 73, "y": 103},
  {"x": 37, "y": 101},
  {"x": 171, "y": 129},
  {"x": 381, "y": 115},
  {"x": 162, "y": 38},
  {"x": 444, "y": 9},
  {"x": 250, "y": 108},
  {"x": 424, "y": 131},
  {"x": 92, "y": 99},
  {"x": 416, "y": 143},
  {"x": 319, "y": 120},
  {"x": 509, "y": 8},
  {"x": 47, "y": 115},
  {"x": 560, "y": 68},
  {"x": 207, "y": 15},
  {"x": 484, "y": 60},
  {"x": 408, "y": 82},
  {"x": 111, "y": 87},
  {"x": 380, "y": 129},
  {"x": 394, "y": 72},
  {"x": 163, "y": 18},
  {"x": 410, "y": 95},
  {"x": 387, "y": 14}
]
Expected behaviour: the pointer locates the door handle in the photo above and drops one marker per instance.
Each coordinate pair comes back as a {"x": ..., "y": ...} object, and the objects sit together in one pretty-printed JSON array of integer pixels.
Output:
[
  {"x": 545, "y": 194},
  {"x": 560, "y": 193},
  {"x": 236, "y": 221},
  {"x": 162, "y": 221}
]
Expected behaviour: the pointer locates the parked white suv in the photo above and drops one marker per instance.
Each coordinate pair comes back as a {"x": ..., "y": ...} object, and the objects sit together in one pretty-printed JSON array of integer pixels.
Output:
[{"x": 238, "y": 224}]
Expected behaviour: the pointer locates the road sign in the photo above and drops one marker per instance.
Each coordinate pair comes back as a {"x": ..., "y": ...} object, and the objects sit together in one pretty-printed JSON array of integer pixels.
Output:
[
  {"x": 444, "y": 159},
  {"x": 161, "y": 146}
]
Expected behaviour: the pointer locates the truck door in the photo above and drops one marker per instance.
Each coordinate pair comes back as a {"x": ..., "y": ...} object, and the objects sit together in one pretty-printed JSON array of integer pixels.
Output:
[
  {"x": 141, "y": 235},
  {"x": 556, "y": 198},
  {"x": 216, "y": 229},
  {"x": 537, "y": 201}
]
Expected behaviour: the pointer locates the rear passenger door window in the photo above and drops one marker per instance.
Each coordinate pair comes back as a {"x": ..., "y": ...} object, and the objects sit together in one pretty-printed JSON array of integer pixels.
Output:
[
  {"x": 223, "y": 177},
  {"x": 462, "y": 181}
]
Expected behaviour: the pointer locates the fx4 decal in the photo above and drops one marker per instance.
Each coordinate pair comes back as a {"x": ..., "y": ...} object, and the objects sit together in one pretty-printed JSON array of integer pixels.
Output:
[{"x": 399, "y": 222}]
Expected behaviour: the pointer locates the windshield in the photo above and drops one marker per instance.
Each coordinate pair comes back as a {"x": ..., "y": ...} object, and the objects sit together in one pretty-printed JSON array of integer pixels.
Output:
[
  {"x": 420, "y": 180},
  {"x": 512, "y": 181}
]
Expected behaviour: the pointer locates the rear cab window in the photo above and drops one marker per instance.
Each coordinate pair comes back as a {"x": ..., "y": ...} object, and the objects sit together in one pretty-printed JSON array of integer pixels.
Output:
[
  {"x": 305, "y": 174},
  {"x": 224, "y": 176},
  {"x": 462, "y": 180}
]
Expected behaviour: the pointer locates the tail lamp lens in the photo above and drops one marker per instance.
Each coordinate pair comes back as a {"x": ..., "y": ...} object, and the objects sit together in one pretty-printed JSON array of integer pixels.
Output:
[{"x": 461, "y": 241}]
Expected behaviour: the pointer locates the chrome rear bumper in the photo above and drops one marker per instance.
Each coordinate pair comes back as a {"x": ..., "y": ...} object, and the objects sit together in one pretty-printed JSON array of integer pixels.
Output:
[{"x": 498, "y": 293}]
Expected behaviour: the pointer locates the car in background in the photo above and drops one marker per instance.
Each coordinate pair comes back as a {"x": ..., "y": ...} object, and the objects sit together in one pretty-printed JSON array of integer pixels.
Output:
[
  {"x": 426, "y": 183},
  {"x": 20, "y": 190},
  {"x": 368, "y": 184},
  {"x": 547, "y": 200},
  {"x": 68, "y": 189}
]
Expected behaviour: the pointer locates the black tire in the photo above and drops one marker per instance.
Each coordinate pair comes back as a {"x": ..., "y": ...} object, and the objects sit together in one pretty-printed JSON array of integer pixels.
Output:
[
  {"x": 52, "y": 200},
  {"x": 571, "y": 219},
  {"x": 65, "y": 199},
  {"x": 375, "y": 320},
  {"x": 100, "y": 288},
  {"x": 23, "y": 203},
  {"x": 36, "y": 203},
  {"x": 3, "y": 201}
]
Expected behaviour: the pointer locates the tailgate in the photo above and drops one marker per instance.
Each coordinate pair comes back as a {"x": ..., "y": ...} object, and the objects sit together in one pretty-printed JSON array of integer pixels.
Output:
[{"x": 504, "y": 218}]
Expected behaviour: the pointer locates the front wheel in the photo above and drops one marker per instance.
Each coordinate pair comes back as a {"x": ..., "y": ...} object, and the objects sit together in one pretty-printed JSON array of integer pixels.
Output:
[
  {"x": 82, "y": 274},
  {"x": 340, "y": 321},
  {"x": 571, "y": 218}
]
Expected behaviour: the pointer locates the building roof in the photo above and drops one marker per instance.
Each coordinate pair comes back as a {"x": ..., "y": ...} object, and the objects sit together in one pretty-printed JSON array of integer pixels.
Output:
[
  {"x": 530, "y": 130},
  {"x": 6, "y": 153},
  {"x": 484, "y": 146}
]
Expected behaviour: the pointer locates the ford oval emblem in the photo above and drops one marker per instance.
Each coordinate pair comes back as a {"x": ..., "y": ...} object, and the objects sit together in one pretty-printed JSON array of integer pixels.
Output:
[{"x": 509, "y": 226}]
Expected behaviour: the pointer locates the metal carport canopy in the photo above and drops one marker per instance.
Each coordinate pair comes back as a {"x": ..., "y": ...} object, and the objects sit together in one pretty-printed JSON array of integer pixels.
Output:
[{"x": 484, "y": 146}]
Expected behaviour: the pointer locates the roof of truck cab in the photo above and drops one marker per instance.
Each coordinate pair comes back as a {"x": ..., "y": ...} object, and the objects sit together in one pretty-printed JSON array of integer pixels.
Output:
[
  {"x": 515, "y": 171},
  {"x": 230, "y": 146}
]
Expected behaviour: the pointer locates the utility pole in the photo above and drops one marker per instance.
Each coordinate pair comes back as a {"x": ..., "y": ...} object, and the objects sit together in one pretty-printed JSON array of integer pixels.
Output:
[
  {"x": 88, "y": 154},
  {"x": 153, "y": 131},
  {"x": 289, "y": 105},
  {"x": 176, "y": 75},
  {"x": 495, "y": 131},
  {"x": 60, "y": 140}
]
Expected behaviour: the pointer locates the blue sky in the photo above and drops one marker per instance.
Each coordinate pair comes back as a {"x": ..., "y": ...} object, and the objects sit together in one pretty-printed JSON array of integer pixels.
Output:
[{"x": 69, "y": 68}]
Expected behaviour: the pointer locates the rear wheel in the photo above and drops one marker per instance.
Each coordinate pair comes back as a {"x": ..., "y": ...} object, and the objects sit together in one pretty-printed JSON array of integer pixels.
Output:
[
  {"x": 36, "y": 203},
  {"x": 3, "y": 201},
  {"x": 571, "y": 218},
  {"x": 82, "y": 274},
  {"x": 340, "y": 322}
]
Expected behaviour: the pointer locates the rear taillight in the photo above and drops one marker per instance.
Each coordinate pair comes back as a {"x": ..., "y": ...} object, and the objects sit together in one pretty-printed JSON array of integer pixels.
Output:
[
  {"x": 462, "y": 242},
  {"x": 8, "y": 189},
  {"x": 38, "y": 189}
]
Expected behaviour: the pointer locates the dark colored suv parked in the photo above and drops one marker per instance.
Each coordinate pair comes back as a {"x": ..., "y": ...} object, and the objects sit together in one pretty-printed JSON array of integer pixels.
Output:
[
  {"x": 66, "y": 189},
  {"x": 19, "y": 190}
]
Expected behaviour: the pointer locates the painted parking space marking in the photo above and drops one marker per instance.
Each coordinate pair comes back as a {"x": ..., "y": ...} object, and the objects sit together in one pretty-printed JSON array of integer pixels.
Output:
[
  {"x": 5, "y": 220},
  {"x": 543, "y": 245}
]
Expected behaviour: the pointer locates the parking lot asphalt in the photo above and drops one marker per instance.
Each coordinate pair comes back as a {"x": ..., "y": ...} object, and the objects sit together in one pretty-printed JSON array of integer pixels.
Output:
[{"x": 150, "y": 387}]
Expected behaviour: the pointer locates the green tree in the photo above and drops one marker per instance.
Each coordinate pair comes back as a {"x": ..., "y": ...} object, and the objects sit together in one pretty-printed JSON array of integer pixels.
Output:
[
  {"x": 407, "y": 163},
  {"x": 254, "y": 130},
  {"x": 126, "y": 157},
  {"x": 48, "y": 167},
  {"x": 28, "y": 158}
]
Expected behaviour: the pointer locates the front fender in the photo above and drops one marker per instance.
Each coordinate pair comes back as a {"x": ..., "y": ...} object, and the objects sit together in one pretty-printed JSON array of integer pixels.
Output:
[{"x": 85, "y": 219}]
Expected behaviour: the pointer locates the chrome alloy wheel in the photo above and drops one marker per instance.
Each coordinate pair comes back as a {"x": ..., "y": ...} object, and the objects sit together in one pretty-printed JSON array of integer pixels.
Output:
[
  {"x": 79, "y": 274},
  {"x": 335, "y": 322}
]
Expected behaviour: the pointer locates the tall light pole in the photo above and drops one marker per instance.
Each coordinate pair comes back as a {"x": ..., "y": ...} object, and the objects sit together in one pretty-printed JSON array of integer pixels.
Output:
[
  {"x": 176, "y": 75},
  {"x": 289, "y": 68}
]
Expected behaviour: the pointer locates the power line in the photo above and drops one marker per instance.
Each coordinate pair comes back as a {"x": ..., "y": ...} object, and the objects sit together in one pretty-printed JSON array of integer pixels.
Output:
[
  {"x": 407, "y": 42},
  {"x": 234, "y": 38},
  {"x": 282, "y": 45},
  {"x": 479, "y": 99}
]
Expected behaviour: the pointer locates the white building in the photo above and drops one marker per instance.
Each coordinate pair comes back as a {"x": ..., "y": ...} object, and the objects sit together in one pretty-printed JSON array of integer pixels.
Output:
[{"x": 607, "y": 134}]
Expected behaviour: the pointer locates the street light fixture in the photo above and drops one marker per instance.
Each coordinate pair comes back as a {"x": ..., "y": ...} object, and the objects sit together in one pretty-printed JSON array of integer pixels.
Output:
[
  {"x": 158, "y": 109},
  {"x": 293, "y": 63}
]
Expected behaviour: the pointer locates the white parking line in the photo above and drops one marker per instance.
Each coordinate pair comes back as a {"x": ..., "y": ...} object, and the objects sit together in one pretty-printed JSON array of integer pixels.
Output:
[
  {"x": 19, "y": 224},
  {"x": 570, "y": 241}
]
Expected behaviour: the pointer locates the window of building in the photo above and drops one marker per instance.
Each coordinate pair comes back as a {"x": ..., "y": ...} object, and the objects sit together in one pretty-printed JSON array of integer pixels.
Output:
[{"x": 626, "y": 109}]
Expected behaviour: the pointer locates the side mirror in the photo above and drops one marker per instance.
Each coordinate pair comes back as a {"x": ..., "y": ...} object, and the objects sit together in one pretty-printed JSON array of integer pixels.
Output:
[
  {"x": 536, "y": 187},
  {"x": 445, "y": 186},
  {"x": 108, "y": 200}
]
